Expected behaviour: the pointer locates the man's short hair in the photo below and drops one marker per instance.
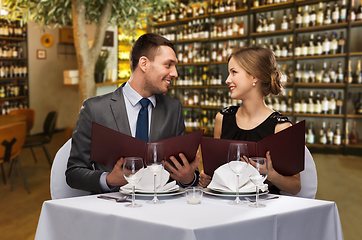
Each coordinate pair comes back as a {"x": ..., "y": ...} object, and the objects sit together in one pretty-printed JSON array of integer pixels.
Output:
[{"x": 147, "y": 45}]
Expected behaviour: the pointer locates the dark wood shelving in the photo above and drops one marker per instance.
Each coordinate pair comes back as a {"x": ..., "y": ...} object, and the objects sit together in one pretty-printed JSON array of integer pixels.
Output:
[{"x": 250, "y": 35}]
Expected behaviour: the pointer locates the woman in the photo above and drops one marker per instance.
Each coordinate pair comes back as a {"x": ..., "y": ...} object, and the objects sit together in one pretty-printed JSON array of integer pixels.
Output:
[{"x": 252, "y": 75}]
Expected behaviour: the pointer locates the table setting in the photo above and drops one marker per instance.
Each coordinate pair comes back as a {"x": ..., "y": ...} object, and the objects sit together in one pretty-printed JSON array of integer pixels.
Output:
[{"x": 151, "y": 207}]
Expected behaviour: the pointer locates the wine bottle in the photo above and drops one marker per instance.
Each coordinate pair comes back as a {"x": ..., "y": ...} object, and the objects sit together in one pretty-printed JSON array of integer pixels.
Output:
[
  {"x": 341, "y": 43},
  {"x": 353, "y": 137},
  {"x": 337, "y": 138},
  {"x": 313, "y": 17},
  {"x": 311, "y": 47},
  {"x": 332, "y": 104},
  {"x": 320, "y": 15},
  {"x": 343, "y": 11},
  {"x": 298, "y": 73},
  {"x": 340, "y": 76},
  {"x": 325, "y": 77},
  {"x": 298, "y": 18},
  {"x": 304, "y": 48},
  {"x": 310, "y": 105},
  {"x": 339, "y": 104},
  {"x": 335, "y": 13},
  {"x": 319, "y": 46},
  {"x": 310, "y": 134},
  {"x": 333, "y": 44},
  {"x": 349, "y": 75},
  {"x": 358, "y": 105},
  {"x": 327, "y": 15},
  {"x": 345, "y": 137},
  {"x": 359, "y": 11},
  {"x": 318, "y": 104},
  {"x": 305, "y": 18},
  {"x": 323, "y": 134},
  {"x": 303, "y": 103},
  {"x": 297, "y": 49},
  {"x": 284, "y": 24},
  {"x": 311, "y": 74},
  {"x": 358, "y": 74},
  {"x": 325, "y": 103},
  {"x": 326, "y": 45},
  {"x": 271, "y": 24},
  {"x": 330, "y": 134}
]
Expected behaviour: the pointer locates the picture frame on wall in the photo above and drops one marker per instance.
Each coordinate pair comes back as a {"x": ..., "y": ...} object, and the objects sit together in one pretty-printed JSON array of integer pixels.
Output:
[
  {"x": 108, "y": 39},
  {"x": 41, "y": 54}
]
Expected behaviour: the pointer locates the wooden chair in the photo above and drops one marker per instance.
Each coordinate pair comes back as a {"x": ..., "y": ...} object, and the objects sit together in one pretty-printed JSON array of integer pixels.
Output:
[
  {"x": 29, "y": 114},
  {"x": 12, "y": 138},
  {"x": 44, "y": 137}
]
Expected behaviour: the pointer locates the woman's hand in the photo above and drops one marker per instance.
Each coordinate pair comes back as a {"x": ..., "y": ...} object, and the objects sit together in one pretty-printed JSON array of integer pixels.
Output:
[{"x": 204, "y": 179}]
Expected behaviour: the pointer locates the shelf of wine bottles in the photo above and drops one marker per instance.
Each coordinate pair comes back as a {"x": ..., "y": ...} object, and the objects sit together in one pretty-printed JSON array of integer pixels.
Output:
[
  {"x": 13, "y": 66},
  {"x": 316, "y": 44}
]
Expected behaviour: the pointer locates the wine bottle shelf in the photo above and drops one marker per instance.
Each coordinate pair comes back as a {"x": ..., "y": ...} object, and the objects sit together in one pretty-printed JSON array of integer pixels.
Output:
[
  {"x": 322, "y": 28},
  {"x": 321, "y": 85},
  {"x": 13, "y": 98},
  {"x": 251, "y": 16},
  {"x": 13, "y": 78},
  {"x": 318, "y": 115},
  {"x": 339, "y": 55},
  {"x": 12, "y": 59}
]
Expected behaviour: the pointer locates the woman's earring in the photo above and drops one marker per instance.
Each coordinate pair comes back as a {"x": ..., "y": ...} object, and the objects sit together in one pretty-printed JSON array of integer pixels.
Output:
[{"x": 254, "y": 84}]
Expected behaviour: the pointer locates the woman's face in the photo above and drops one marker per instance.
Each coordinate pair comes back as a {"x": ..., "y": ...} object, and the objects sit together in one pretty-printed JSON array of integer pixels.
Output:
[{"x": 239, "y": 81}]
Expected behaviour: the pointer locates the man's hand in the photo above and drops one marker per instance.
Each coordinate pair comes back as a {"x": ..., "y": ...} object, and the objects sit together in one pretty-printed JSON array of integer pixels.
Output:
[
  {"x": 186, "y": 173},
  {"x": 116, "y": 178}
]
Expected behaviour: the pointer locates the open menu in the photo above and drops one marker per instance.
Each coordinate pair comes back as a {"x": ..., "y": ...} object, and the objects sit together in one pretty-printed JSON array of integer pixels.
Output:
[
  {"x": 286, "y": 149},
  {"x": 108, "y": 145}
]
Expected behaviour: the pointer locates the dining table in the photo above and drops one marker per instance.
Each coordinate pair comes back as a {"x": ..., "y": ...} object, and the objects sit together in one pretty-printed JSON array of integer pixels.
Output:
[
  {"x": 9, "y": 119},
  {"x": 287, "y": 217}
]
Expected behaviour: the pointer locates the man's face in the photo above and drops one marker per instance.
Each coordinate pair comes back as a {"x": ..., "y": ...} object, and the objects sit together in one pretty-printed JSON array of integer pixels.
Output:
[{"x": 161, "y": 71}]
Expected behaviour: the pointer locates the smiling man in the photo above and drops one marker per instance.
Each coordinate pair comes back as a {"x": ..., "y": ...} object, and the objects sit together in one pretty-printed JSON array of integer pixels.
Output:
[{"x": 153, "y": 65}]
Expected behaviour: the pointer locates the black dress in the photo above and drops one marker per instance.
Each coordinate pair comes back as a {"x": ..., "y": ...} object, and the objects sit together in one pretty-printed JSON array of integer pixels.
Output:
[{"x": 230, "y": 130}]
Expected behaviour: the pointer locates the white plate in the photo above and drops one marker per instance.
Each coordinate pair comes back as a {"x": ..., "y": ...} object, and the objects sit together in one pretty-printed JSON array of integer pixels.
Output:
[
  {"x": 231, "y": 194},
  {"x": 162, "y": 194},
  {"x": 172, "y": 189}
]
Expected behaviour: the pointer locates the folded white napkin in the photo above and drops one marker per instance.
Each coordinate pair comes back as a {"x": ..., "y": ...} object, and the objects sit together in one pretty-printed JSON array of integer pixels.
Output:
[
  {"x": 146, "y": 183},
  {"x": 224, "y": 180}
]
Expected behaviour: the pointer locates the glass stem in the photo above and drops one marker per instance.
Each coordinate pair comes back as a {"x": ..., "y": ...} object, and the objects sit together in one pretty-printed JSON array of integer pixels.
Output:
[
  {"x": 237, "y": 189},
  {"x": 133, "y": 196},
  {"x": 154, "y": 188},
  {"x": 257, "y": 195}
]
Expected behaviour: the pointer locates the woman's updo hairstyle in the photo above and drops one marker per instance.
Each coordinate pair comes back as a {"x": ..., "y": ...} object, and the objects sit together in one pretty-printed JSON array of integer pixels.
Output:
[{"x": 260, "y": 62}]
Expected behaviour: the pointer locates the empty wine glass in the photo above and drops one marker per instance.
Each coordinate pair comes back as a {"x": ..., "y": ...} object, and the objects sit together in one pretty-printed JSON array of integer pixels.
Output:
[
  {"x": 154, "y": 162},
  {"x": 238, "y": 161},
  {"x": 132, "y": 171},
  {"x": 260, "y": 164}
]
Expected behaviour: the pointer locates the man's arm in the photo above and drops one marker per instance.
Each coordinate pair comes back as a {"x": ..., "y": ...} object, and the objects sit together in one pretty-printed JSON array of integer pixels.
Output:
[{"x": 81, "y": 172}]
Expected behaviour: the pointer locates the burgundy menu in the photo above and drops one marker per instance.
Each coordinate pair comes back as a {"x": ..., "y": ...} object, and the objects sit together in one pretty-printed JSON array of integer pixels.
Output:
[
  {"x": 108, "y": 145},
  {"x": 286, "y": 148}
]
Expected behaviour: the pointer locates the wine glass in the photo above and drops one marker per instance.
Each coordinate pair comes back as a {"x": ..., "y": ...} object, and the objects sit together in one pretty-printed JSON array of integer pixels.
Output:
[
  {"x": 260, "y": 164},
  {"x": 238, "y": 161},
  {"x": 132, "y": 172},
  {"x": 154, "y": 162}
]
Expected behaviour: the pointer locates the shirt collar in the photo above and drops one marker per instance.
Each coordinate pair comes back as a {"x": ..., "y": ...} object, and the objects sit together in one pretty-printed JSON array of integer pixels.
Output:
[{"x": 134, "y": 97}]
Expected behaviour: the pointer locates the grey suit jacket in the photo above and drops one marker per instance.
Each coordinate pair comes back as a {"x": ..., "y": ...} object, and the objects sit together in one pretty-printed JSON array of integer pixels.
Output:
[{"x": 109, "y": 110}]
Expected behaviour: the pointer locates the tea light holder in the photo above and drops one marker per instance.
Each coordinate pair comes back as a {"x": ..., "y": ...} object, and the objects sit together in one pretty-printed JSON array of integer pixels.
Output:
[{"x": 194, "y": 195}]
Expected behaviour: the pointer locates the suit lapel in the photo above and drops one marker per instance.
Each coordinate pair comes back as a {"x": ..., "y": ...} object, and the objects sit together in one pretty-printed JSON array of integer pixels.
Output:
[{"x": 119, "y": 111}]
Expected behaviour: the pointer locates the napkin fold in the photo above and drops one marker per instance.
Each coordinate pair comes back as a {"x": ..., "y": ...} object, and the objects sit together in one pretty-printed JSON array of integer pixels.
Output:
[
  {"x": 146, "y": 183},
  {"x": 224, "y": 180}
]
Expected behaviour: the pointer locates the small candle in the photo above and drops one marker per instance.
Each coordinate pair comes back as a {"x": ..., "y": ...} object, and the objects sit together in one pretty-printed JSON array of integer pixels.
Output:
[{"x": 193, "y": 200}]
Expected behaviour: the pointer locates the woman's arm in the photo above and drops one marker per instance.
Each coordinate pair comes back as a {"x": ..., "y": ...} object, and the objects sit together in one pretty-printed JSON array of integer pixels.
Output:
[
  {"x": 289, "y": 184},
  {"x": 218, "y": 125}
]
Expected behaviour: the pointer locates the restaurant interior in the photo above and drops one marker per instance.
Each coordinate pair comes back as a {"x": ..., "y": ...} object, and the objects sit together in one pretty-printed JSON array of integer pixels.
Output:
[{"x": 50, "y": 90}]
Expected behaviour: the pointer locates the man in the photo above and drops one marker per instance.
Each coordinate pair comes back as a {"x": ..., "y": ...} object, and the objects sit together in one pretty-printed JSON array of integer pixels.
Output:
[{"x": 153, "y": 65}]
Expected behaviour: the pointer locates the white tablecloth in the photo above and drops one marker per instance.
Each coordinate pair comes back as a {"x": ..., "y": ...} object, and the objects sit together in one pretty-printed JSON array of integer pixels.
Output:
[{"x": 92, "y": 218}]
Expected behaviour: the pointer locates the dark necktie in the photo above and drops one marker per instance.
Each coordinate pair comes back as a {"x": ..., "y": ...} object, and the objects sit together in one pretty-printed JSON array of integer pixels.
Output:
[{"x": 142, "y": 120}]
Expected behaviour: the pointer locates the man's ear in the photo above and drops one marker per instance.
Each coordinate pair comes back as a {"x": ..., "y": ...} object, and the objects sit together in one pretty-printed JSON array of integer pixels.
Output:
[{"x": 143, "y": 63}]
